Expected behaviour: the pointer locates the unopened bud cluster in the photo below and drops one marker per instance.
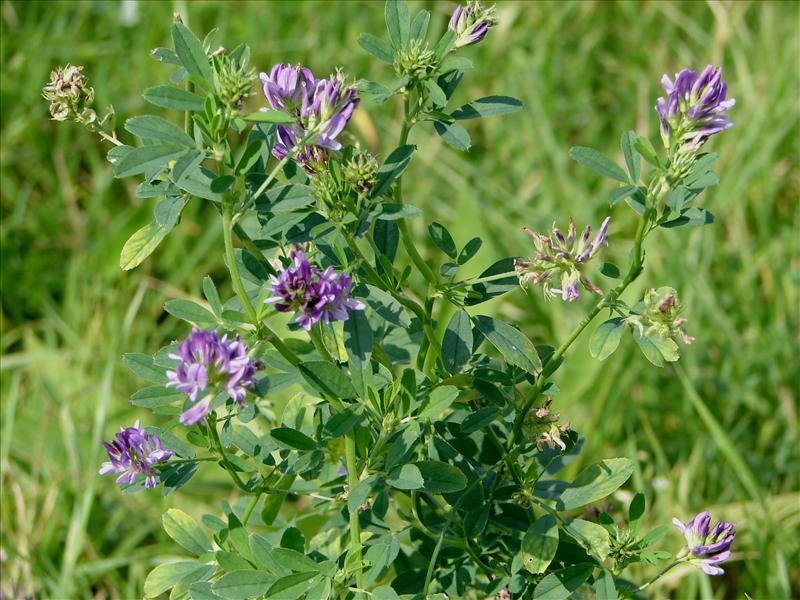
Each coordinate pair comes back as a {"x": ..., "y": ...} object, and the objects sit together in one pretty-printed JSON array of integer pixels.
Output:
[
  {"x": 415, "y": 59},
  {"x": 660, "y": 315},
  {"x": 234, "y": 82},
  {"x": 69, "y": 96}
]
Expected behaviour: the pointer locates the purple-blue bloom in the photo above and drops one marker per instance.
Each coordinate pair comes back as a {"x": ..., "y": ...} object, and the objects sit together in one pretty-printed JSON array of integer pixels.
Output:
[
  {"x": 321, "y": 107},
  {"x": 316, "y": 295},
  {"x": 694, "y": 107},
  {"x": 208, "y": 362},
  {"x": 707, "y": 546},
  {"x": 134, "y": 451},
  {"x": 471, "y": 22}
]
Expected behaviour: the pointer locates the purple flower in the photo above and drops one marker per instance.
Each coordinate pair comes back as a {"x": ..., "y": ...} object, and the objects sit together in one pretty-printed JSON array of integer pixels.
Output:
[
  {"x": 210, "y": 362},
  {"x": 471, "y": 23},
  {"x": 316, "y": 295},
  {"x": 561, "y": 256},
  {"x": 321, "y": 107},
  {"x": 707, "y": 546},
  {"x": 132, "y": 452},
  {"x": 694, "y": 107},
  {"x": 287, "y": 87}
]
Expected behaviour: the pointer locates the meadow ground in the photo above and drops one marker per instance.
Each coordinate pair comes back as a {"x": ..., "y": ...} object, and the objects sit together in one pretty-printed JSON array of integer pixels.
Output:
[{"x": 719, "y": 431}]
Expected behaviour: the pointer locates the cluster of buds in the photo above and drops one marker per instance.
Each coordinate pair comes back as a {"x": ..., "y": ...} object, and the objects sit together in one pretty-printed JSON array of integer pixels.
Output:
[
  {"x": 415, "y": 59},
  {"x": 694, "y": 108},
  {"x": 543, "y": 425},
  {"x": 69, "y": 96},
  {"x": 471, "y": 23},
  {"x": 234, "y": 82},
  {"x": 315, "y": 295},
  {"x": 361, "y": 171},
  {"x": 560, "y": 257},
  {"x": 707, "y": 546},
  {"x": 132, "y": 452},
  {"x": 208, "y": 362},
  {"x": 660, "y": 315},
  {"x": 321, "y": 109}
]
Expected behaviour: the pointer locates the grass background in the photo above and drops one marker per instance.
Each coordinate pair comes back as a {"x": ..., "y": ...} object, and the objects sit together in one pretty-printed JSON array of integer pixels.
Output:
[{"x": 718, "y": 432}]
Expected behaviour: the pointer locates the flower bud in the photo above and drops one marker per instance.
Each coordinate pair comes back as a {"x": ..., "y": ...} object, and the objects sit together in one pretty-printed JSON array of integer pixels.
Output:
[
  {"x": 471, "y": 22},
  {"x": 415, "y": 59}
]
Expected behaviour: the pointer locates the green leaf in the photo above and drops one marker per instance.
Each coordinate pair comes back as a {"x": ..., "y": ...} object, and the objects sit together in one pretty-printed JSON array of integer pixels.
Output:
[
  {"x": 479, "y": 419},
  {"x": 293, "y": 438},
  {"x": 165, "y": 576},
  {"x": 156, "y": 397},
  {"x": 292, "y": 586},
  {"x": 377, "y": 47},
  {"x": 440, "y": 478},
  {"x": 604, "y": 587},
  {"x": 621, "y": 193},
  {"x": 388, "y": 211},
  {"x": 186, "y": 532},
  {"x": 358, "y": 340},
  {"x": 168, "y": 211},
  {"x": 597, "y": 161},
  {"x": 610, "y": 270},
  {"x": 328, "y": 379},
  {"x": 212, "y": 295},
  {"x": 633, "y": 159},
  {"x": 457, "y": 342},
  {"x": 166, "y": 96},
  {"x": 515, "y": 347},
  {"x": 149, "y": 127},
  {"x": 487, "y": 107},
  {"x": 242, "y": 585},
  {"x": 146, "y": 158},
  {"x": 691, "y": 217},
  {"x": 560, "y": 584},
  {"x": 540, "y": 544},
  {"x": 384, "y": 592},
  {"x": 397, "y": 22},
  {"x": 283, "y": 198},
  {"x": 635, "y": 514},
  {"x": 443, "y": 240},
  {"x": 445, "y": 44},
  {"x": 596, "y": 482},
  {"x": 454, "y": 134},
  {"x": 439, "y": 400},
  {"x": 592, "y": 536},
  {"x": 645, "y": 148},
  {"x": 605, "y": 339},
  {"x": 481, "y": 292},
  {"x": 190, "y": 311},
  {"x": 391, "y": 169},
  {"x": 141, "y": 245},
  {"x": 165, "y": 55},
  {"x": 469, "y": 250},
  {"x": 142, "y": 366},
  {"x": 648, "y": 347},
  {"x": 202, "y": 590},
  {"x": 407, "y": 477},
  {"x": 190, "y": 52},
  {"x": 270, "y": 116},
  {"x": 419, "y": 26},
  {"x": 436, "y": 93}
]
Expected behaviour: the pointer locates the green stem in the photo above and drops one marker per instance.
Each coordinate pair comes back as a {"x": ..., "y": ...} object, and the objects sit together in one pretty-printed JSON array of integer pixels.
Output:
[
  {"x": 248, "y": 511},
  {"x": 661, "y": 573},
  {"x": 355, "y": 526},
  {"x": 212, "y": 430},
  {"x": 289, "y": 156},
  {"x": 227, "y": 230},
  {"x": 254, "y": 250}
]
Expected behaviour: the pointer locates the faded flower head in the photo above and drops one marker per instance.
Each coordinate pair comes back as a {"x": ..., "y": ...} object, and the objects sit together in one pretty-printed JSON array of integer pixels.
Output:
[
  {"x": 414, "y": 59},
  {"x": 208, "y": 362},
  {"x": 543, "y": 425},
  {"x": 559, "y": 258},
  {"x": 316, "y": 295},
  {"x": 694, "y": 107},
  {"x": 69, "y": 96},
  {"x": 707, "y": 546},
  {"x": 471, "y": 22},
  {"x": 321, "y": 107},
  {"x": 660, "y": 315},
  {"x": 131, "y": 452}
]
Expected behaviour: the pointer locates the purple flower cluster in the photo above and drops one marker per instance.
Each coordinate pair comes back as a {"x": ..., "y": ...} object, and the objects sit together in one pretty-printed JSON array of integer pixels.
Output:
[
  {"x": 316, "y": 295},
  {"x": 132, "y": 452},
  {"x": 210, "y": 362},
  {"x": 559, "y": 255},
  {"x": 471, "y": 22},
  {"x": 694, "y": 107},
  {"x": 321, "y": 107},
  {"x": 708, "y": 546}
]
